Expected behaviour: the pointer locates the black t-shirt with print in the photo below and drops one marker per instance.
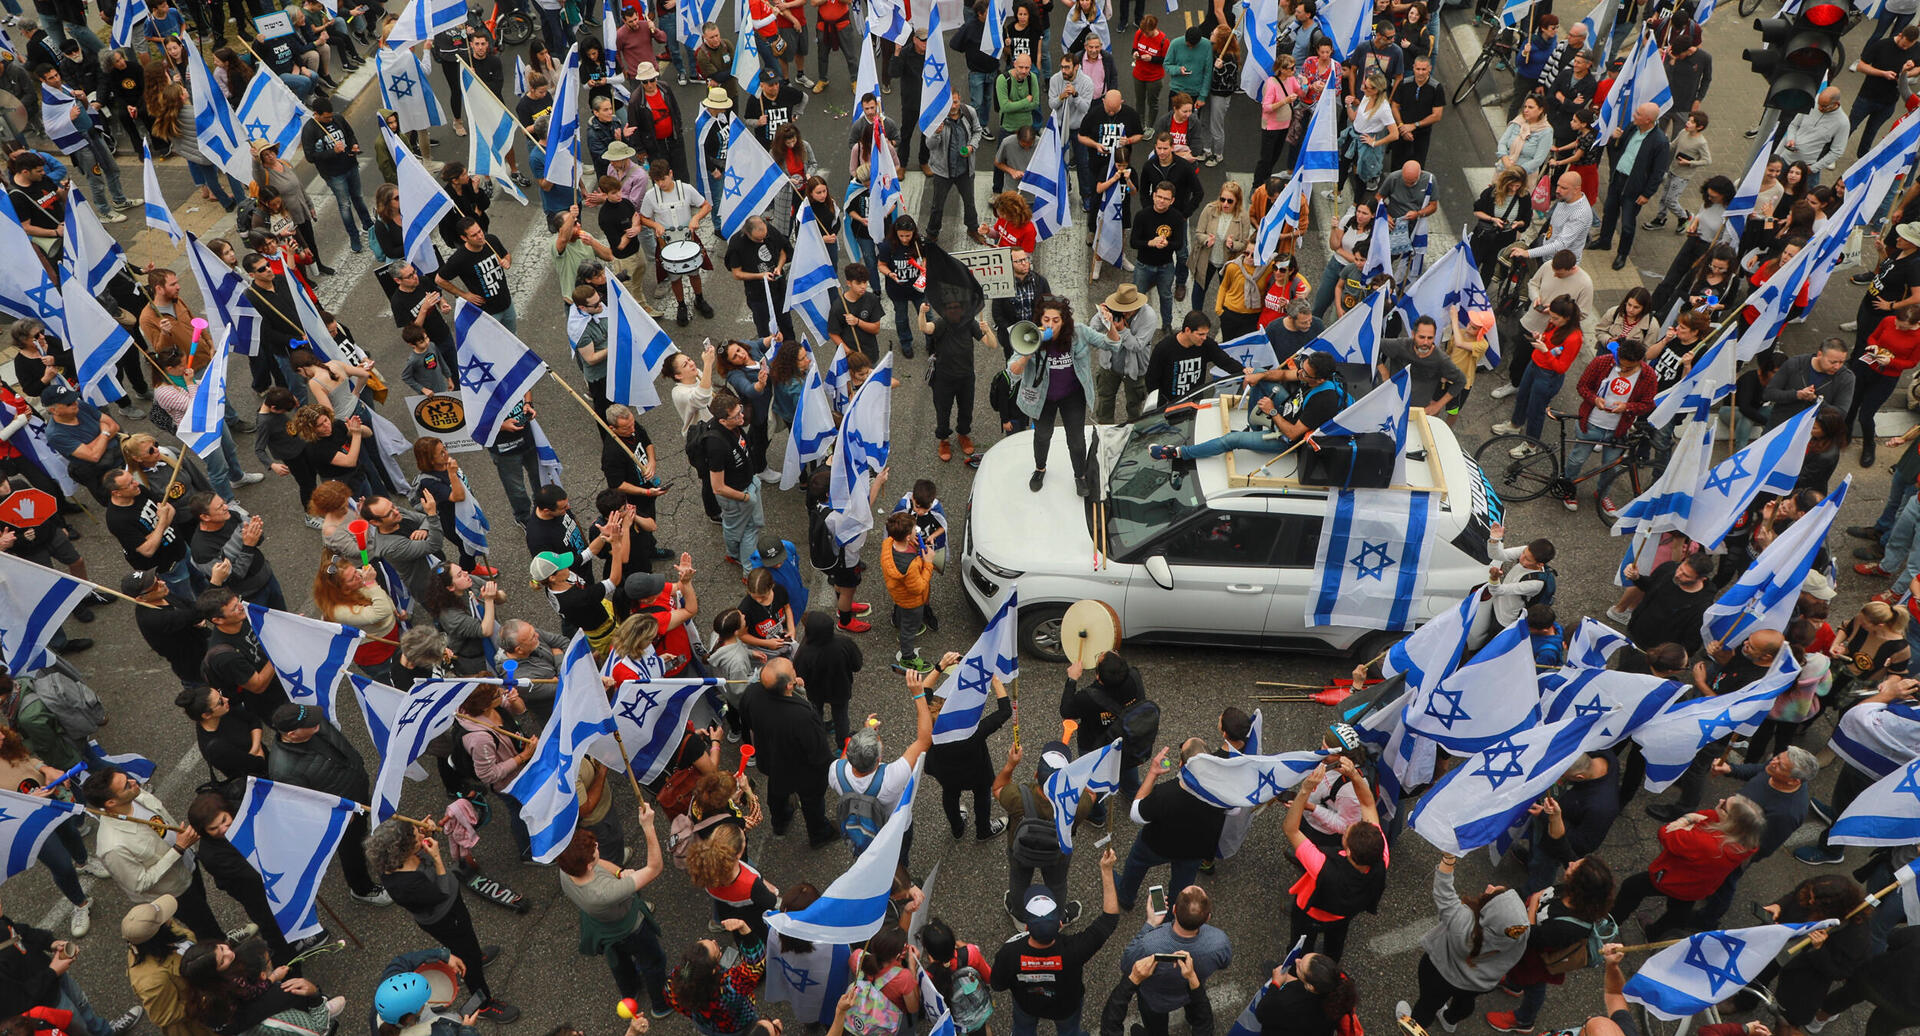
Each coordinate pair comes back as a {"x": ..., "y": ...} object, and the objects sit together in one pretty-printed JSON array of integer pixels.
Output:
[
  {"x": 725, "y": 450},
  {"x": 1108, "y": 130},
  {"x": 767, "y": 621},
  {"x": 482, "y": 273},
  {"x": 744, "y": 253},
  {"x": 782, "y": 109}
]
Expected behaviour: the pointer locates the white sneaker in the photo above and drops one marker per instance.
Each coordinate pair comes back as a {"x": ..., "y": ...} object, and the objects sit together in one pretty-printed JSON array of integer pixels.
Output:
[
  {"x": 82, "y": 920},
  {"x": 110, "y": 216},
  {"x": 1817, "y": 1024},
  {"x": 1504, "y": 391},
  {"x": 1447, "y": 1025},
  {"x": 1616, "y": 615},
  {"x": 94, "y": 867},
  {"x": 335, "y": 1005},
  {"x": 378, "y": 897},
  {"x": 1851, "y": 325},
  {"x": 243, "y": 933},
  {"x": 1504, "y": 428},
  {"x": 252, "y": 478},
  {"x": 1522, "y": 450},
  {"x": 1403, "y": 1009},
  {"x": 770, "y": 476}
]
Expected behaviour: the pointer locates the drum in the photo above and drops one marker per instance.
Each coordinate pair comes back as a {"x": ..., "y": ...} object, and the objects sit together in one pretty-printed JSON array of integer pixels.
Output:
[
  {"x": 1089, "y": 629},
  {"x": 680, "y": 258}
]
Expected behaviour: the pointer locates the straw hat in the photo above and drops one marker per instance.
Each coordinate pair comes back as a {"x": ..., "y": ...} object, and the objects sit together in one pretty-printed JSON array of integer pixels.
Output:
[
  {"x": 1125, "y": 299},
  {"x": 645, "y": 71},
  {"x": 718, "y": 99},
  {"x": 619, "y": 150}
]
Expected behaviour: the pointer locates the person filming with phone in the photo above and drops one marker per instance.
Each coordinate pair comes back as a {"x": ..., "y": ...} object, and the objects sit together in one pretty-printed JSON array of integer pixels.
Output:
[{"x": 1185, "y": 949}]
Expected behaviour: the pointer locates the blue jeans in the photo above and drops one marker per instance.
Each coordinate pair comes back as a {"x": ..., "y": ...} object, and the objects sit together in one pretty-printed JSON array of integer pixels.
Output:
[
  {"x": 1532, "y": 999},
  {"x": 346, "y": 191},
  {"x": 1537, "y": 389},
  {"x": 517, "y": 470},
  {"x": 223, "y": 467},
  {"x": 741, "y": 521},
  {"x": 1330, "y": 279},
  {"x": 72, "y": 999},
  {"x": 553, "y": 25},
  {"x": 1582, "y": 448},
  {"x": 1025, "y": 1024},
  {"x": 224, "y": 187},
  {"x": 1895, "y": 502},
  {"x": 106, "y": 183},
  {"x": 62, "y": 853},
  {"x": 980, "y": 90},
  {"x": 1245, "y": 439},
  {"x": 904, "y": 313},
  {"x": 302, "y": 86},
  {"x": 1141, "y": 859},
  {"x": 509, "y": 318},
  {"x": 1147, "y": 277}
]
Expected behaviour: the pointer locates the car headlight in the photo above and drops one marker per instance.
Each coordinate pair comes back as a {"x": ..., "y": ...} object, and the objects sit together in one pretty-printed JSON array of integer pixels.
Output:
[{"x": 1003, "y": 573}]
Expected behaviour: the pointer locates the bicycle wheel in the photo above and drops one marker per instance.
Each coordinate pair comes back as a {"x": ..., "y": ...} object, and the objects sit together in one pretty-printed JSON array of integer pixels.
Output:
[
  {"x": 1472, "y": 76},
  {"x": 1747, "y": 7},
  {"x": 515, "y": 28},
  {"x": 1653, "y": 1025},
  {"x": 1515, "y": 479},
  {"x": 1626, "y": 486}
]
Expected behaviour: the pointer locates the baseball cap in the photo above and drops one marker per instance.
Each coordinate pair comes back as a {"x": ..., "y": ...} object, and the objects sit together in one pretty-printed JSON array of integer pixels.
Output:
[
  {"x": 643, "y": 586},
  {"x": 57, "y": 393},
  {"x": 1053, "y": 756},
  {"x": 1042, "y": 912},
  {"x": 289, "y": 718},
  {"x": 546, "y": 563},
  {"x": 145, "y": 921},
  {"x": 138, "y": 581}
]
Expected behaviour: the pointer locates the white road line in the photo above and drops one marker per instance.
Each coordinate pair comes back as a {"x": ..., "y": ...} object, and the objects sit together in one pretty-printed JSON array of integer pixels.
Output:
[{"x": 1404, "y": 939}]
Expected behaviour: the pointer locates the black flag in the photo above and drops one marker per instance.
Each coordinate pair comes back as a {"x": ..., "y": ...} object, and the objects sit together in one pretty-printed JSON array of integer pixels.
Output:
[{"x": 953, "y": 291}]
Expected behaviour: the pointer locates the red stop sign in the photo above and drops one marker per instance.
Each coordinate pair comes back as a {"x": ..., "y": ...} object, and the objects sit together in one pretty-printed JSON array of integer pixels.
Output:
[{"x": 27, "y": 508}]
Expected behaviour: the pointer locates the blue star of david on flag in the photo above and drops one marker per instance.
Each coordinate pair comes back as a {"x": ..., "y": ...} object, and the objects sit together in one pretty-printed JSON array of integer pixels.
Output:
[
  {"x": 476, "y": 374},
  {"x": 401, "y": 85},
  {"x": 933, "y": 73},
  {"x": 1453, "y": 713},
  {"x": 1508, "y": 770},
  {"x": 799, "y": 978},
  {"x": 1723, "y": 481},
  {"x": 735, "y": 182},
  {"x": 1264, "y": 783},
  {"x": 1377, "y": 569},
  {"x": 258, "y": 130},
  {"x": 993, "y": 653},
  {"x": 1725, "y": 973},
  {"x": 1711, "y": 726},
  {"x": 651, "y": 716}
]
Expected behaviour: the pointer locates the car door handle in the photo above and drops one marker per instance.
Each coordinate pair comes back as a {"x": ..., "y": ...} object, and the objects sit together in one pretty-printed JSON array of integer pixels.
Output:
[{"x": 1244, "y": 588}]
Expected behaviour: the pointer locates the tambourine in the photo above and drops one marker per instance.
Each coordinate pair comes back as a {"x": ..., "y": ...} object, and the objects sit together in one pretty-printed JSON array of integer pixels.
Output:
[
  {"x": 1089, "y": 629},
  {"x": 1409, "y": 1027}
]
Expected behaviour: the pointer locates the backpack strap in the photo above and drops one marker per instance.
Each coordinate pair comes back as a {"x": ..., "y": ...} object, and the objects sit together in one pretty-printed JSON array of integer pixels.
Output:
[{"x": 879, "y": 780}]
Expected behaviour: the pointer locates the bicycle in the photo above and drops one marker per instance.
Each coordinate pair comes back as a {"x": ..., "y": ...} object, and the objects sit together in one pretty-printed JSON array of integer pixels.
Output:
[
  {"x": 1521, "y": 467},
  {"x": 1497, "y": 50},
  {"x": 1653, "y": 1025},
  {"x": 511, "y": 27}
]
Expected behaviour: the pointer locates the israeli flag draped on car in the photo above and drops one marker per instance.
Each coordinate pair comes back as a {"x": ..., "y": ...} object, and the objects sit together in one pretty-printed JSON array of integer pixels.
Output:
[
  {"x": 1246, "y": 780},
  {"x": 750, "y": 181},
  {"x": 310, "y": 655},
  {"x": 26, "y": 821},
  {"x": 1670, "y": 739},
  {"x": 496, "y": 369},
  {"x": 34, "y": 601},
  {"x": 97, "y": 340},
  {"x": 1346, "y": 23},
  {"x": 1451, "y": 285},
  {"x": 582, "y": 724},
  {"x": 421, "y": 20},
  {"x": 1370, "y": 569},
  {"x": 651, "y": 716},
  {"x": 1096, "y": 773},
  {"x": 636, "y": 349},
  {"x": 855, "y": 905},
  {"x": 1888, "y": 813},
  {"x": 859, "y": 452},
  {"x": 1046, "y": 182},
  {"x": 1480, "y": 800},
  {"x": 1769, "y": 464},
  {"x": 270, "y": 111},
  {"x": 289, "y": 834},
  {"x": 811, "y": 437},
  {"x": 1482, "y": 701},
  {"x": 406, "y": 90},
  {"x": 92, "y": 254},
  {"x": 1764, "y": 595},
  {"x": 995, "y": 654},
  {"x": 1260, "y": 43},
  {"x": 205, "y": 418},
  {"x": 936, "y": 84},
  {"x": 419, "y": 715},
  {"x": 1705, "y": 969}
]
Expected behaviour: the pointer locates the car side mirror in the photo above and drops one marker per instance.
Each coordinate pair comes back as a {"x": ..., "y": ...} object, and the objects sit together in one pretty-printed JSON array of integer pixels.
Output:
[{"x": 1160, "y": 571}]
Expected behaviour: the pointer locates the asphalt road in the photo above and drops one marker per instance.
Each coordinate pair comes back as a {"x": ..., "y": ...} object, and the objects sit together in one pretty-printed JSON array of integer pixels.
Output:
[{"x": 540, "y": 969}]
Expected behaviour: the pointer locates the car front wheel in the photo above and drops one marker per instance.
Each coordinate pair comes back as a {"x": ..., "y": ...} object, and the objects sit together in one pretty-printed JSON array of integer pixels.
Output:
[{"x": 1040, "y": 632}]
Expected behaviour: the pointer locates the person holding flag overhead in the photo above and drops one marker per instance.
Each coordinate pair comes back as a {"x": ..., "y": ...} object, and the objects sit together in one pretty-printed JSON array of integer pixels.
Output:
[
  {"x": 1336, "y": 886},
  {"x": 1045, "y": 971}
]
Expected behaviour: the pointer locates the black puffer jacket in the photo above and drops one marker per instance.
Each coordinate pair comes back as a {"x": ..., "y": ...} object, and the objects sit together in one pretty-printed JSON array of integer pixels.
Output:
[{"x": 324, "y": 762}]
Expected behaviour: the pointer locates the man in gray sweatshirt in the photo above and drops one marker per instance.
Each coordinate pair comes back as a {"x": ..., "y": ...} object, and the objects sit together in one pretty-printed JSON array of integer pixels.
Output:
[
  {"x": 1818, "y": 137},
  {"x": 1819, "y": 379},
  {"x": 1183, "y": 931}
]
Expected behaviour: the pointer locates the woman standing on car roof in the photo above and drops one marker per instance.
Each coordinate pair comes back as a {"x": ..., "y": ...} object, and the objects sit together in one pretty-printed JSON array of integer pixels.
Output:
[{"x": 1055, "y": 382}]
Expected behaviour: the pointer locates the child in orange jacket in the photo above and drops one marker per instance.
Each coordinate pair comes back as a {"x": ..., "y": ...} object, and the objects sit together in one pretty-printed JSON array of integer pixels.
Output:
[{"x": 907, "y": 563}]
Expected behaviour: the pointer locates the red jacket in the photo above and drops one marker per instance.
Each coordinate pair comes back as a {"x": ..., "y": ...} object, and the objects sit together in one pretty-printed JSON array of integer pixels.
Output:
[
  {"x": 1593, "y": 381},
  {"x": 1694, "y": 861},
  {"x": 1559, "y": 356}
]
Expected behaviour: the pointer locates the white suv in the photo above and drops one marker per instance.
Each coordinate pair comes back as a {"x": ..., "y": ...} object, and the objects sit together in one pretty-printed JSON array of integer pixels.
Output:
[{"x": 1195, "y": 552}]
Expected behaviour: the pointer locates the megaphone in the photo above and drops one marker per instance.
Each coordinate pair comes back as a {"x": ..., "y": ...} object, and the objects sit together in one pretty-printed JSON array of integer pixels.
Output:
[{"x": 1024, "y": 337}]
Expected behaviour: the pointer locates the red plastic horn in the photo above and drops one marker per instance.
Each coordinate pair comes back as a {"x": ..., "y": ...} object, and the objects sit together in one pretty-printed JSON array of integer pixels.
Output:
[
  {"x": 358, "y": 527},
  {"x": 1332, "y": 695},
  {"x": 746, "y": 753}
]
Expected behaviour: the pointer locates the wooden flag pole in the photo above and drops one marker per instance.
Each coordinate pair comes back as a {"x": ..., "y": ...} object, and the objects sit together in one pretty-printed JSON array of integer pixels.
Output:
[
  {"x": 632, "y": 778},
  {"x": 158, "y": 826}
]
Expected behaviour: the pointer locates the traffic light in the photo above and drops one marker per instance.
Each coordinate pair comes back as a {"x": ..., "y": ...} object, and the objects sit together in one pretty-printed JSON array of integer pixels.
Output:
[{"x": 1799, "y": 54}]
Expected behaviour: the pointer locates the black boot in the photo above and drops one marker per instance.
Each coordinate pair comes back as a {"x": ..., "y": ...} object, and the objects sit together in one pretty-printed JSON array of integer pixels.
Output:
[{"x": 1866, "y": 451}]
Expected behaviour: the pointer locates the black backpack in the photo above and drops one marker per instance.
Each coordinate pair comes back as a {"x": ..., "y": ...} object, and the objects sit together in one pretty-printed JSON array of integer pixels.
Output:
[
  {"x": 1549, "y": 581},
  {"x": 1035, "y": 842},
  {"x": 1138, "y": 725},
  {"x": 697, "y": 443}
]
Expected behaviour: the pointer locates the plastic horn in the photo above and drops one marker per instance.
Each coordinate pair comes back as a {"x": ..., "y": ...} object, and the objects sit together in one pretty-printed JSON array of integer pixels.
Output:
[
  {"x": 358, "y": 527},
  {"x": 746, "y": 753},
  {"x": 508, "y": 667},
  {"x": 199, "y": 328}
]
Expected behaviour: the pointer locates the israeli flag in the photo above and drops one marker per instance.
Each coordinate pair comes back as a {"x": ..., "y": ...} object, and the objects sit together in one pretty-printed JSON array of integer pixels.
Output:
[
  {"x": 747, "y": 68},
  {"x": 859, "y": 452},
  {"x": 934, "y": 1010},
  {"x": 92, "y": 254},
  {"x": 418, "y": 715},
  {"x": 97, "y": 340},
  {"x": 887, "y": 199},
  {"x": 1769, "y": 464},
  {"x": 310, "y": 655},
  {"x": 995, "y": 654},
  {"x": 135, "y": 765},
  {"x": 1046, "y": 183},
  {"x": 1379, "y": 254},
  {"x": 1246, "y": 780},
  {"x": 1854, "y": 211},
  {"x": 1593, "y": 644},
  {"x": 1253, "y": 349},
  {"x": 490, "y": 129},
  {"x": 1260, "y": 39},
  {"x": 1774, "y": 301},
  {"x": 1764, "y": 595},
  {"x": 520, "y": 73},
  {"x": 57, "y": 117},
  {"x": 25, "y": 823},
  {"x": 1668, "y": 503},
  {"x": 496, "y": 371},
  {"x": 1895, "y": 150},
  {"x": 206, "y": 415},
  {"x": 993, "y": 34},
  {"x": 1407, "y": 760},
  {"x": 289, "y": 834},
  {"x": 750, "y": 181},
  {"x": 1480, "y": 702},
  {"x": 228, "y": 313},
  {"x": 1355, "y": 337},
  {"x": 1436, "y": 648},
  {"x": 866, "y": 81},
  {"x": 34, "y": 601},
  {"x": 1601, "y": 17},
  {"x": 549, "y": 458},
  {"x": 810, "y": 277},
  {"x": 1319, "y": 160},
  {"x": 888, "y": 20},
  {"x": 1283, "y": 213},
  {"x": 1096, "y": 773},
  {"x": 1453, "y": 282},
  {"x": 651, "y": 716},
  {"x": 1641, "y": 80},
  {"x": 126, "y": 24},
  {"x": 1110, "y": 237},
  {"x": 421, "y": 20},
  {"x": 32, "y": 441},
  {"x": 813, "y": 423},
  {"x": 1702, "y": 970},
  {"x": 25, "y": 289},
  {"x": 810, "y": 981},
  {"x": 1704, "y": 12},
  {"x": 1710, "y": 380},
  {"x": 838, "y": 379},
  {"x": 270, "y": 111},
  {"x": 469, "y": 522},
  {"x": 1888, "y": 813},
  {"x": 1669, "y": 740},
  {"x": 582, "y": 724},
  {"x": 1623, "y": 701},
  {"x": 405, "y": 89},
  {"x": 219, "y": 134},
  {"x": 1481, "y": 799},
  {"x": 1384, "y": 410},
  {"x": 1747, "y": 195},
  {"x": 636, "y": 348},
  {"x": 562, "y": 146},
  {"x": 1346, "y": 23},
  {"x": 423, "y": 205},
  {"x": 855, "y": 905},
  {"x": 159, "y": 216},
  {"x": 1909, "y": 879},
  {"x": 936, "y": 85},
  {"x": 1513, "y": 12}
]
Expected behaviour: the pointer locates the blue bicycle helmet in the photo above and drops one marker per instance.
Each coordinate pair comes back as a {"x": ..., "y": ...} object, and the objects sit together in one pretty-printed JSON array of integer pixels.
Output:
[{"x": 401, "y": 995}]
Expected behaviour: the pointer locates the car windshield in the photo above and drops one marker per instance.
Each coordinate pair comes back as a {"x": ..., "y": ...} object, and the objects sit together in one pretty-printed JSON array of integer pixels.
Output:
[{"x": 1145, "y": 496}]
